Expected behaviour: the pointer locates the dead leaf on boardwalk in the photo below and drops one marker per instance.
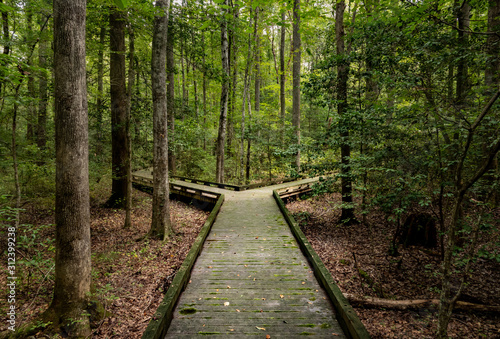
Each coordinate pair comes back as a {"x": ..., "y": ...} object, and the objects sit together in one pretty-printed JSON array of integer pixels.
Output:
[
  {"x": 263, "y": 298},
  {"x": 231, "y": 329},
  {"x": 209, "y": 266},
  {"x": 260, "y": 328},
  {"x": 268, "y": 336},
  {"x": 282, "y": 296},
  {"x": 303, "y": 283},
  {"x": 335, "y": 334},
  {"x": 228, "y": 286},
  {"x": 238, "y": 310},
  {"x": 226, "y": 303}
]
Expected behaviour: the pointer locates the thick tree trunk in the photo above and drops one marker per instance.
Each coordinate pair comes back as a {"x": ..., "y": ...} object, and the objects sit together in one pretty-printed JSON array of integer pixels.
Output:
[
  {"x": 296, "y": 78},
  {"x": 119, "y": 135},
  {"x": 282, "y": 77},
  {"x": 345, "y": 148},
  {"x": 161, "y": 224},
  {"x": 170, "y": 98},
  {"x": 72, "y": 261},
  {"x": 221, "y": 139}
]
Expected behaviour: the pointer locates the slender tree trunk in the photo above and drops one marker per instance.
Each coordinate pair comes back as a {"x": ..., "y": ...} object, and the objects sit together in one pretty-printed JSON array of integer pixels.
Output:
[
  {"x": 100, "y": 87},
  {"x": 161, "y": 225},
  {"x": 249, "y": 142},
  {"x": 221, "y": 139},
  {"x": 296, "y": 79},
  {"x": 246, "y": 82},
  {"x": 347, "y": 216},
  {"x": 257, "y": 62},
  {"x": 204, "y": 93},
  {"x": 492, "y": 72},
  {"x": 41, "y": 133},
  {"x": 30, "y": 126},
  {"x": 282, "y": 76},
  {"x": 72, "y": 215},
  {"x": 462, "y": 69},
  {"x": 119, "y": 135},
  {"x": 170, "y": 97},
  {"x": 492, "y": 80},
  {"x": 6, "y": 38},
  {"x": 130, "y": 93}
]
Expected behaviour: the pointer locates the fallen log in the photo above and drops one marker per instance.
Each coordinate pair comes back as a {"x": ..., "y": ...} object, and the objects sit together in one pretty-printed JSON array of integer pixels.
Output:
[{"x": 372, "y": 302}]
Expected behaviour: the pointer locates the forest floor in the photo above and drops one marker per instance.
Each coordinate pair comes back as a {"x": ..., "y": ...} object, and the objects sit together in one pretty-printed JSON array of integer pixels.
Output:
[
  {"x": 129, "y": 275},
  {"x": 410, "y": 275}
]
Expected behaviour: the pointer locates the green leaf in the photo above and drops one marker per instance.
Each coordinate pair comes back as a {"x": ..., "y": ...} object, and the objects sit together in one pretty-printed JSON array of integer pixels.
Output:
[
  {"x": 5, "y": 8},
  {"x": 122, "y": 4},
  {"x": 205, "y": 25}
]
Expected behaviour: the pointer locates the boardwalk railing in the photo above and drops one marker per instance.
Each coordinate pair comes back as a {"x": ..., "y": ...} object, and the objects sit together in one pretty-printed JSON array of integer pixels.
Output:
[
  {"x": 212, "y": 183},
  {"x": 346, "y": 315},
  {"x": 158, "y": 326}
]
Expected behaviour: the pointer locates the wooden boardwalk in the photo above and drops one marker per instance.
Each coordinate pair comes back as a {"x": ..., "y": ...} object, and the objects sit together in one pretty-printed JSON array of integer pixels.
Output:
[{"x": 251, "y": 278}]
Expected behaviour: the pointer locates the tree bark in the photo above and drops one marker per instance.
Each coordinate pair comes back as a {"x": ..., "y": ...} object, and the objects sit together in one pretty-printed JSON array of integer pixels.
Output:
[
  {"x": 492, "y": 72},
  {"x": 30, "y": 126},
  {"x": 161, "y": 225},
  {"x": 257, "y": 62},
  {"x": 371, "y": 302},
  {"x": 6, "y": 38},
  {"x": 296, "y": 79},
  {"x": 347, "y": 216},
  {"x": 282, "y": 76},
  {"x": 100, "y": 87},
  {"x": 221, "y": 139},
  {"x": 119, "y": 122},
  {"x": 41, "y": 133},
  {"x": 72, "y": 214},
  {"x": 170, "y": 97},
  {"x": 130, "y": 93}
]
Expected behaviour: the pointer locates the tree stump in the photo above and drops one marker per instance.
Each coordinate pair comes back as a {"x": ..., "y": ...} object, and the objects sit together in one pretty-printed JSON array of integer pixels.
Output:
[{"x": 419, "y": 230}]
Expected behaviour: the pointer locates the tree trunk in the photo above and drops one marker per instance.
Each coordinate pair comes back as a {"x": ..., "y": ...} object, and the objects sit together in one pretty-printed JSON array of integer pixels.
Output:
[
  {"x": 119, "y": 135},
  {"x": 41, "y": 133},
  {"x": 170, "y": 97},
  {"x": 296, "y": 79},
  {"x": 221, "y": 139},
  {"x": 246, "y": 83},
  {"x": 204, "y": 93},
  {"x": 30, "y": 126},
  {"x": 72, "y": 214},
  {"x": 100, "y": 86},
  {"x": 130, "y": 93},
  {"x": 282, "y": 76},
  {"x": 257, "y": 62},
  {"x": 6, "y": 39},
  {"x": 493, "y": 46},
  {"x": 417, "y": 304},
  {"x": 161, "y": 224},
  {"x": 347, "y": 216}
]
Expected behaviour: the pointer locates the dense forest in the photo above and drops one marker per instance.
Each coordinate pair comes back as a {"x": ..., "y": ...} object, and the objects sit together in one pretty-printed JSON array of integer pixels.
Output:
[{"x": 394, "y": 103}]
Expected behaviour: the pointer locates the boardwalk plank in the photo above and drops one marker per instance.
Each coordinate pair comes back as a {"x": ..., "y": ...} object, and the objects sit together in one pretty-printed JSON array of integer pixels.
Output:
[{"x": 252, "y": 274}]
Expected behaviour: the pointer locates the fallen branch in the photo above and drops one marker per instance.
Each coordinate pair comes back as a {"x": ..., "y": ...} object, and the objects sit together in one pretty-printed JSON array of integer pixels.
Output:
[{"x": 372, "y": 302}]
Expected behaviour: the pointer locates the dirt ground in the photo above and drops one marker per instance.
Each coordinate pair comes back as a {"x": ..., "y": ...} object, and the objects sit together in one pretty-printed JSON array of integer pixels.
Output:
[
  {"x": 129, "y": 276},
  {"x": 410, "y": 275}
]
